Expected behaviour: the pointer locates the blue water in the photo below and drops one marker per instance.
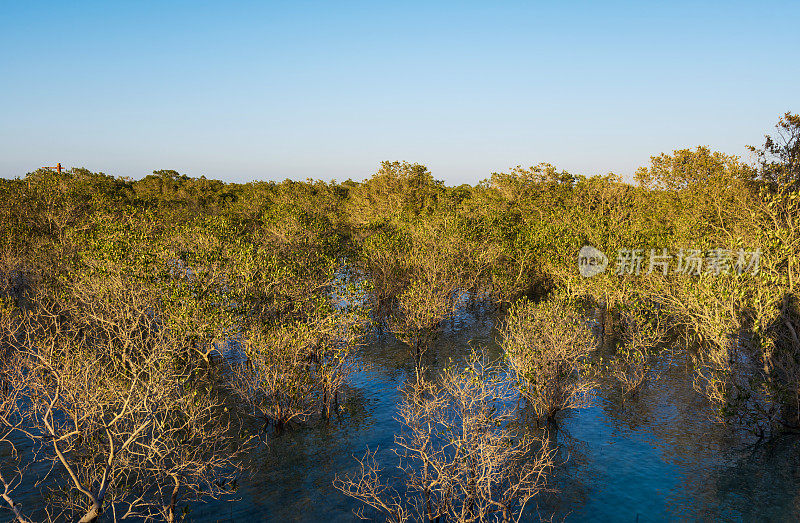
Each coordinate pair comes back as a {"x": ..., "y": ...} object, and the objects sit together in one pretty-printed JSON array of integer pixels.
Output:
[{"x": 655, "y": 458}]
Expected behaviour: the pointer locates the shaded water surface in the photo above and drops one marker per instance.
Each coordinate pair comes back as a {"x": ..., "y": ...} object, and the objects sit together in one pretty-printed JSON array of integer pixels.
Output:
[{"x": 656, "y": 458}]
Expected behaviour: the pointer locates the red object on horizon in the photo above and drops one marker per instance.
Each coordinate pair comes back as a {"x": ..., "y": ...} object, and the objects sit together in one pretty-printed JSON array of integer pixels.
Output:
[{"x": 57, "y": 168}]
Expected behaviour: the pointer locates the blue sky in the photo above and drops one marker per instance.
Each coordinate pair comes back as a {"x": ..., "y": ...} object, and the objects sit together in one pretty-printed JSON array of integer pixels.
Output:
[{"x": 270, "y": 90}]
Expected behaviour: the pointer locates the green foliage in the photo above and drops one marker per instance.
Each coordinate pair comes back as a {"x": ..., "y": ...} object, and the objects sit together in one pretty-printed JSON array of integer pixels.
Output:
[
  {"x": 222, "y": 260},
  {"x": 398, "y": 191},
  {"x": 546, "y": 345},
  {"x": 779, "y": 158}
]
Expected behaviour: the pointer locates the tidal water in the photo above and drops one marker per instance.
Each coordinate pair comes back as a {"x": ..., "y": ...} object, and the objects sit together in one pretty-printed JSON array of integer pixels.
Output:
[{"x": 655, "y": 458}]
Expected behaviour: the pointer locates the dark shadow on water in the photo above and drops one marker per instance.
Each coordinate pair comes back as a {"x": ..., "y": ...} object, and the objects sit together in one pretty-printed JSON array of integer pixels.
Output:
[{"x": 656, "y": 457}]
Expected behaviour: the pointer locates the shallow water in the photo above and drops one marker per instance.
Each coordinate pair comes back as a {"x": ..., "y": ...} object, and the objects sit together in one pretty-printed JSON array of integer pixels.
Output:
[{"x": 657, "y": 458}]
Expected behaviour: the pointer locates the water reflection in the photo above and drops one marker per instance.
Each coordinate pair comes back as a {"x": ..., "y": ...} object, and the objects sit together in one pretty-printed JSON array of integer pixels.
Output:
[{"x": 656, "y": 457}]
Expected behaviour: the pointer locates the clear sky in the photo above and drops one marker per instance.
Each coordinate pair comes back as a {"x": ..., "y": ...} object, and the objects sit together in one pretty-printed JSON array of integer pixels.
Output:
[{"x": 261, "y": 90}]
